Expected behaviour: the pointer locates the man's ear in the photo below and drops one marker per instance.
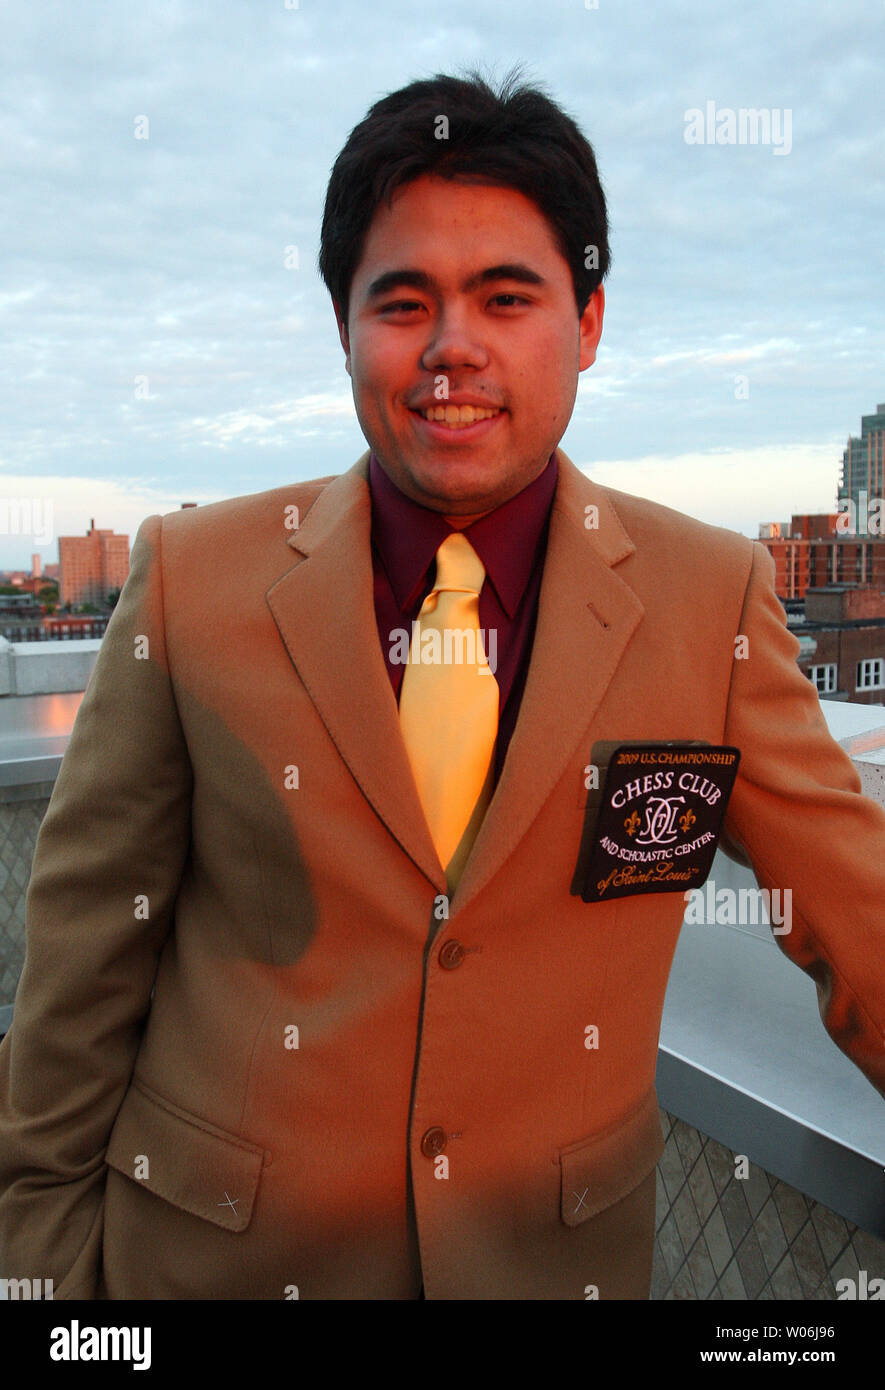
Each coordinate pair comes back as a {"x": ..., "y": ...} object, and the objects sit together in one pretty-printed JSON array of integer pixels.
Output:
[
  {"x": 590, "y": 328},
  {"x": 343, "y": 335}
]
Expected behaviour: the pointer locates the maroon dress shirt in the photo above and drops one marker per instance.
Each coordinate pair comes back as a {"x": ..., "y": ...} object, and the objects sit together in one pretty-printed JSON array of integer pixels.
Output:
[{"x": 511, "y": 541}]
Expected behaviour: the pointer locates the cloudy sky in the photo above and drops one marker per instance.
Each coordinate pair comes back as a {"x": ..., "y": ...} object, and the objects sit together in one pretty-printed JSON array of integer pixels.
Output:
[{"x": 157, "y": 349}]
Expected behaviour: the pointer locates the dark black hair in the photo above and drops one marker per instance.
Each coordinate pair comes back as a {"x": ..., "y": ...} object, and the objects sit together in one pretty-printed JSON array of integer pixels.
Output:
[{"x": 516, "y": 138}]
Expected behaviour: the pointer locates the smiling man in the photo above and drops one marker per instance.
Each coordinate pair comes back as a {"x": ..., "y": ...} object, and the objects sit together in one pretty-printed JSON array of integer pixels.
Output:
[
  {"x": 489, "y": 329},
  {"x": 352, "y": 912}
]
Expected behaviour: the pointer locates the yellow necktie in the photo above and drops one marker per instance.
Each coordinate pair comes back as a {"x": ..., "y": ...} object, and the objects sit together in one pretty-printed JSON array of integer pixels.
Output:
[{"x": 448, "y": 706}]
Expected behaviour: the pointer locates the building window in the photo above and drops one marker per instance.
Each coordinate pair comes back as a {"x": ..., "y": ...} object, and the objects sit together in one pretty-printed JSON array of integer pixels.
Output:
[
  {"x": 823, "y": 678},
  {"x": 870, "y": 674}
]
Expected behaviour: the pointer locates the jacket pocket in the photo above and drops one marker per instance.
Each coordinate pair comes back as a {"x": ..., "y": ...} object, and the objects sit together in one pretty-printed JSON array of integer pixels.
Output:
[
  {"x": 599, "y": 1171},
  {"x": 189, "y": 1162}
]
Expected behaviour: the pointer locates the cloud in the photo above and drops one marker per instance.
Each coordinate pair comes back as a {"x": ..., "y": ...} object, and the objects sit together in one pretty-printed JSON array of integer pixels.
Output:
[{"x": 736, "y": 488}]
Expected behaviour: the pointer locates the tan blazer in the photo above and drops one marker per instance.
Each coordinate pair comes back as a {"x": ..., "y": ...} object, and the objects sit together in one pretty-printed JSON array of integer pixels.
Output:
[{"x": 243, "y": 1041}]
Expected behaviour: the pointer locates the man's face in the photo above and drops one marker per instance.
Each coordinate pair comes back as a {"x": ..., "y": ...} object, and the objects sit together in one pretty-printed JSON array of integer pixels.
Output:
[{"x": 493, "y": 313}]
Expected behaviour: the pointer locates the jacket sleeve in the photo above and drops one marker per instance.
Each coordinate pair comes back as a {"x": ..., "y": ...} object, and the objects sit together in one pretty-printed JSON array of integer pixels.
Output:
[
  {"x": 797, "y": 809},
  {"x": 107, "y": 865}
]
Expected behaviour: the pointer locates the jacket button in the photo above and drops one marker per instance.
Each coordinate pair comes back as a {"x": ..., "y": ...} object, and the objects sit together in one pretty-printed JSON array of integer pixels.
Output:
[
  {"x": 451, "y": 954},
  {"x": 433, "y": 1142}
]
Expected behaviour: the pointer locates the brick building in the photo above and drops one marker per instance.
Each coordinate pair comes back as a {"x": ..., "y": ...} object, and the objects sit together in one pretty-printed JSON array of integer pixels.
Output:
[
  {"x": 842, "y": 640},
  {"x": 92, "y": 565},
  {"x": 810, "y": 553}
]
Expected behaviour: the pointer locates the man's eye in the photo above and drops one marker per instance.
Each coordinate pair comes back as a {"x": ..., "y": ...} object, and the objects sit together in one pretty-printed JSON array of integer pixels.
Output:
[{"x": 401, "y": 304}]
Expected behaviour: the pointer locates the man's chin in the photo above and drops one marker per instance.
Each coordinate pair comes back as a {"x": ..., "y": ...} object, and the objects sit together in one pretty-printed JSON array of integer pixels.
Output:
[
  {"x": 452, "y": 482},
  {"x": 476, "y": 494}
]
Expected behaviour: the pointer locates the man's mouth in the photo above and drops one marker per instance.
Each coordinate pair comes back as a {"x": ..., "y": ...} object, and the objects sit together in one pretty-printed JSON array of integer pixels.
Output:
[{"x": 456, "y": 417}]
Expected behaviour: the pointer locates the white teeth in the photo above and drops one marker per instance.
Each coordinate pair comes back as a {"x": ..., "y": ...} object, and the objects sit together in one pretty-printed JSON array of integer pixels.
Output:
[{"x": 455, "y": 416}]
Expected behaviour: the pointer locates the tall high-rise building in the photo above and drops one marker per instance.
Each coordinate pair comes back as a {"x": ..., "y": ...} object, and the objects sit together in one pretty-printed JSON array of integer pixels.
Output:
[{"x": 863, "y": 462}]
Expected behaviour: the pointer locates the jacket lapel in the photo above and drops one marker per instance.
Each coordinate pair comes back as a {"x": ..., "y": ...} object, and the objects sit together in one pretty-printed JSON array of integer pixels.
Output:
[{"x": 324, "y": 610}]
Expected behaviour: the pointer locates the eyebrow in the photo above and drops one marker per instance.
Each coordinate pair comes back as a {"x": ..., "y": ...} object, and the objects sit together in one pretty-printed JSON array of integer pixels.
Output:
[{"x": 420, "y": 280}]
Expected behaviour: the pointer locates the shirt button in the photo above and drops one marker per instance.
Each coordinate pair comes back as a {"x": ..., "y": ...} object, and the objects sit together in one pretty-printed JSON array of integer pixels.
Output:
[
  {"x": 451, "y": 954},
  {"x": 433, "y": 1142}
]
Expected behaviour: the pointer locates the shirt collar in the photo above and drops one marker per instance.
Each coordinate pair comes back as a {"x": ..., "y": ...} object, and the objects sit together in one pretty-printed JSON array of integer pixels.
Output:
[{"x": 407, "y": 536}]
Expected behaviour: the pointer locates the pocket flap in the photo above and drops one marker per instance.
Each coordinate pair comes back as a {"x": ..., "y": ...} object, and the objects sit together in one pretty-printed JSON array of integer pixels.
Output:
[
  {"x": 599, "y": 1171},
  {"x": 192, "y": 1164}
]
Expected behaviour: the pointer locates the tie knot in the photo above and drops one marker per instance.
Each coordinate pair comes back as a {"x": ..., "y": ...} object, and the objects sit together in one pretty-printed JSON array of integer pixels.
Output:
[{"x": 458, "y": 566}]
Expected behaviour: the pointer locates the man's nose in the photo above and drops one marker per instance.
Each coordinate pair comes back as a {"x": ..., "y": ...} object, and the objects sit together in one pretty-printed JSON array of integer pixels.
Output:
[{"x": 456, "y": 341}]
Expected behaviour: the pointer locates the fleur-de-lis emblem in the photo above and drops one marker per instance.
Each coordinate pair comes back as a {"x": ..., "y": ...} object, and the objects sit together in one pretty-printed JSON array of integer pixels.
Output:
[
  {"x": 687, "y": 820},
  {"x": 631, "y": 824}
]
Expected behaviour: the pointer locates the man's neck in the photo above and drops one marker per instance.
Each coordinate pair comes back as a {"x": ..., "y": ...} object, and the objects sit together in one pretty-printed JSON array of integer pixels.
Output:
[{"x": 460, "y": 522}]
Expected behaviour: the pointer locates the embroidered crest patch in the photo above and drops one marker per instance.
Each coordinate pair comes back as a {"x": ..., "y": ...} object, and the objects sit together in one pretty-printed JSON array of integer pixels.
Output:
[{"x": 660, "y": 816}]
